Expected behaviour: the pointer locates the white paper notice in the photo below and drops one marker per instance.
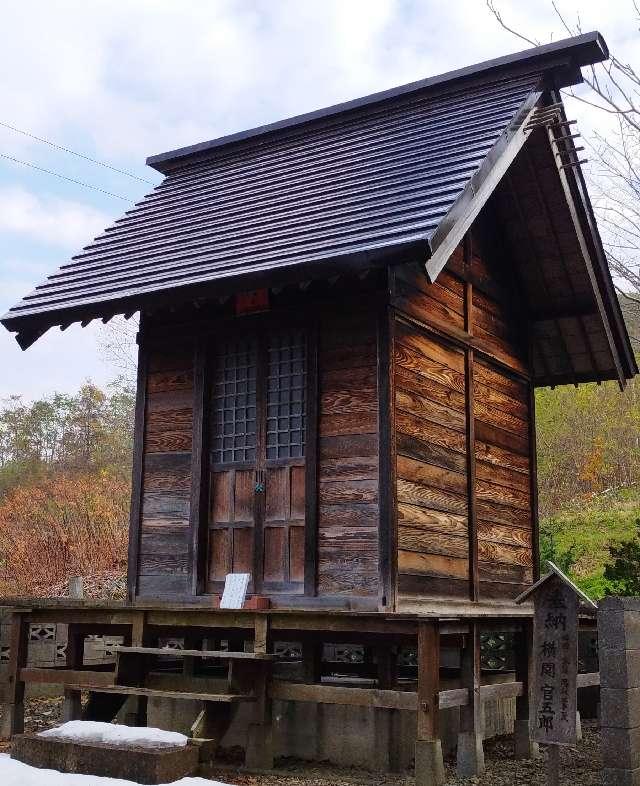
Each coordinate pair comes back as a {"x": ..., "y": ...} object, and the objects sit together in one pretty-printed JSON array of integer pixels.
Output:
[{"x": 235, "y": 590}]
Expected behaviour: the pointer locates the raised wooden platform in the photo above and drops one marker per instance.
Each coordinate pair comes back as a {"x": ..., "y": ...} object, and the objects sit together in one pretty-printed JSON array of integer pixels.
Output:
[{"x": 146, "y": 670}]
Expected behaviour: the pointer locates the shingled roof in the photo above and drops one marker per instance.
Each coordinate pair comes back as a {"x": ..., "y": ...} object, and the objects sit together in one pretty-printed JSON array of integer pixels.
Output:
[{"x": 395, "y": 175}]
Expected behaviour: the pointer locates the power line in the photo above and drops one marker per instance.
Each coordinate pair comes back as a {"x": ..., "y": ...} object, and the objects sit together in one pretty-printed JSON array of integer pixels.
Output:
[
  {"x": 64, "y": 177},
  {"x": 75, "y": 153}
]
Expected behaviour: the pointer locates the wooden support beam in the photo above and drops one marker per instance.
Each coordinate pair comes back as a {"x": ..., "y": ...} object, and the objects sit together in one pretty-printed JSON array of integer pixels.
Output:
[
  {"x": 387, "y": 511},
  {"x": 470, "y": 754},
  {"x": 312, "y": 661},
  {"x": 385, "y": 699},
  {"x": 533, "y": 484},
  {"x": 136, "y": 637},
  {"x": 198, "y": 513},
  {"x": 589, "y": 680},
  {"x": 524, "y": 747},
  {"x": 429, "y": 765},
  {"x": 312, "y": 408},
  {"x": 75, "y": 677},
  {"x": 261, "y": 634},
  {"x": 135, "y": 513},
  {"x": 13, "y": 708},
  {"x": 72, "y": 706},
  {"x": 387, "y": 721},
  {"x": 351, "y": 697},
  {"x": 259, "y": 750}
]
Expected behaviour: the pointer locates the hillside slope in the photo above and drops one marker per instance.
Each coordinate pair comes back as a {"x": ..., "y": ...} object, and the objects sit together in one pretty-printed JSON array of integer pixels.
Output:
[{"x": 578, "y": 538}]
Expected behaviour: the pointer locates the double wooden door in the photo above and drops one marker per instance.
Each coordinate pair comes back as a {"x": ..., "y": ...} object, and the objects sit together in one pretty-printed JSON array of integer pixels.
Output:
[{"x": 257, "y": 460}]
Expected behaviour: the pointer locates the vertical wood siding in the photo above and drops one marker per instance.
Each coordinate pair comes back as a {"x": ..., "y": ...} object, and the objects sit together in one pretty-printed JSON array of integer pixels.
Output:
[
  {"x": 164, "y": 568},
  {"x": 348, "y": 518}
]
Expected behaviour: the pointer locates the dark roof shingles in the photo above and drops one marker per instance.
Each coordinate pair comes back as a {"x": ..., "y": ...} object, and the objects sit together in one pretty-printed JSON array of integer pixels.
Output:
[{"x": 372, "y": 179}]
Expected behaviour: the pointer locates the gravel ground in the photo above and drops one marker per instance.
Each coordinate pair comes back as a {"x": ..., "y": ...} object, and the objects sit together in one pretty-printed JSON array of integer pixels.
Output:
[{"x": 579, "y": 766}]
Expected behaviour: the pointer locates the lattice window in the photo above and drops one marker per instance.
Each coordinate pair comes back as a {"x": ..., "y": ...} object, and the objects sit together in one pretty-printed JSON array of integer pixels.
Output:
[
  {"x": 286, "y": 395},
  {"x": 234, "y": 403},
  {"x": 42, "y": 632}
]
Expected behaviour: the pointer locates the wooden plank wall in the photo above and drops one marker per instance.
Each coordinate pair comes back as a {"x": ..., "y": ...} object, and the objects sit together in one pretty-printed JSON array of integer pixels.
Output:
[
  {"x": 462, "y": 417},
  {"x": 348, "y": 517},
  {"x": 164, "y": 569},
  {"x": 431, "y": 444}
]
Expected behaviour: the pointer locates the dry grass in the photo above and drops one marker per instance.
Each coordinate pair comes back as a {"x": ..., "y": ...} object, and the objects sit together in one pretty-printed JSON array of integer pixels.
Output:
[{"x": 69, "y": 525}]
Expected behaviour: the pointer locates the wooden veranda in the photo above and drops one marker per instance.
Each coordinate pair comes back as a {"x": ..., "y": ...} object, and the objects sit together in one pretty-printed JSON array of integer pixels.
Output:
[{"x": 247, "y": 670}]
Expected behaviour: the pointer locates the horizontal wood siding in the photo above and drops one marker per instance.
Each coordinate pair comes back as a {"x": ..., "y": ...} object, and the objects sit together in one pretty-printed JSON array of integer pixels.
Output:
[
  {"x": 503, "y": 478},
  {"x": 431, "y": 472},
  {"x": 348, "y": 513},
  {"x": 454, "y": 541},
  {"x": 164, "y": 569}
]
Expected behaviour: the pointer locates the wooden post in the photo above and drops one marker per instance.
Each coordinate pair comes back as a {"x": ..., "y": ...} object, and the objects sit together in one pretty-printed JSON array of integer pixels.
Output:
[
  {"x": 72, "y": 706},
  {"x": 387, "y": 721},
  {"x": 429, "y": 764},
  {"x": 312, "y": 661},
  {"x": 259, "y": 750},
  {"x": 137, "y": 629},
  {"x": 524, "y": 747},
  {"x": 13, "y": 707},
  {"x": 470, "y": 755}
]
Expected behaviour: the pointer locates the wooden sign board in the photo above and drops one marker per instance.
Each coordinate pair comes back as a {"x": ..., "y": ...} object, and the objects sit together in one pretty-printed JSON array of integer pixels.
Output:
[
  {"x": 553, "y": 689},
  {"x": 235, "y": 590},
  {"x": 555, "y": 664}
]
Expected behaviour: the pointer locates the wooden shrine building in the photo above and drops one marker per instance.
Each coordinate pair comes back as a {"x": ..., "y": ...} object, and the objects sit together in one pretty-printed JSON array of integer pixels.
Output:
[{"x": 343, "y": 318}]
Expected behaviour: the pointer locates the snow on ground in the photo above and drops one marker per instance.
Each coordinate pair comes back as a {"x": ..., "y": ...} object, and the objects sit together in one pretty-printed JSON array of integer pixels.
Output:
[
  {"x": 114, "y": 734},
  {"x": 15, "y": 773}
]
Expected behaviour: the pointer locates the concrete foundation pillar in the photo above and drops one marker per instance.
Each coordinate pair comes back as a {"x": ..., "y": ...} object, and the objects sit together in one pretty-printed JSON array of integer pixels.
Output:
[
  {"x": 470, "y": 755},
  {"x": 429, "y": 763},
  {"x": 524, "y": 747},
  {"x": 619, "y": 645}
]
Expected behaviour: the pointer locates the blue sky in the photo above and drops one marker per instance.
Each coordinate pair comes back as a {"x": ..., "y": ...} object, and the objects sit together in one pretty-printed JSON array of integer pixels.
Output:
[{"x": 121, "y": 80}]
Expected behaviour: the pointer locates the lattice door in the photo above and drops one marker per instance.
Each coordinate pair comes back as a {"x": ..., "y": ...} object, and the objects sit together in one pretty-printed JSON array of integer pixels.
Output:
[{"x": 257, "y": 505}]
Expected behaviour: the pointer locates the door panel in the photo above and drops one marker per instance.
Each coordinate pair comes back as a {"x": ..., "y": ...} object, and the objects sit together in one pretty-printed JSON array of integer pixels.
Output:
[
  {"x": 257, "y": 509},
  {"x": 233, "y": 459}
]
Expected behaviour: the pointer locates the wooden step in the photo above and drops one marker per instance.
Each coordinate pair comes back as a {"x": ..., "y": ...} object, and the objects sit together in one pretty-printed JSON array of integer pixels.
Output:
[
  {"x": 219, "y": 654},
  {"x": 132, "y": 690}
]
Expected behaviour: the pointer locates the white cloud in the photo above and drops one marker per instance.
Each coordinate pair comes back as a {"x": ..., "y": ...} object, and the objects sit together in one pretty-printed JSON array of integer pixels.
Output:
[
  {"x": 123, "y": 80},
  {"x": 49, "y": 219}
]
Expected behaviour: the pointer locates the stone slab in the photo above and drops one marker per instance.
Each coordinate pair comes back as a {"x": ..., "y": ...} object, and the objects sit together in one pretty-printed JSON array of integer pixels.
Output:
[
  {"x": 621, "y": 748},
  {"x": 613, "y": 604},
  {"x": 620, "y": 708},
  {"x": 140, "y": 765},
  {"x": 619, "y": 630},
  {"x": 620, "y": 668},
  {"x": 617, "y": 777}
]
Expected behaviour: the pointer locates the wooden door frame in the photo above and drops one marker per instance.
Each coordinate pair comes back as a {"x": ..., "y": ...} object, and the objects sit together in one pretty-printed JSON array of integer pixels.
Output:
[{"x": 200, "y": 467}]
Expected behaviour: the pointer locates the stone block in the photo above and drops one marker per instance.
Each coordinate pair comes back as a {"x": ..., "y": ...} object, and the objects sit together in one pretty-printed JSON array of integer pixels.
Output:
[
  {"x": 613, "y": 604},
  {"x": 470, "y": 755},
  {"x": 619, "y": 630},
  {"x": 618, "y": 777},
  {"x": 524, "y": 747},
  {"x": 429, "y": 763},
  {"x": 620, "y": 708},
  {"x": 620, "y": 668},
  {"x": 621, "y": 748},
  {"x": 141, "y": 765}
]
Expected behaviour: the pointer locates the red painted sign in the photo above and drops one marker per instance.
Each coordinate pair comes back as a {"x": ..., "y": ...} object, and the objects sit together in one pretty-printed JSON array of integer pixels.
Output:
[{"x": 251, "y": 302}]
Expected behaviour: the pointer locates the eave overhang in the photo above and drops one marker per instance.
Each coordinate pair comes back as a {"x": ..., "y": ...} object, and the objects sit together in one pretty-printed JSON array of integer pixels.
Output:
[{"x": 425, "y": 158}]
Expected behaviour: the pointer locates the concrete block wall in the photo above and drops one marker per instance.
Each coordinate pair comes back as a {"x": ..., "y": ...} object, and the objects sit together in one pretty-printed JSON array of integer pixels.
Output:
[
  {"x": 619, "y": 648},
  {"x": 48, "y": 646}
]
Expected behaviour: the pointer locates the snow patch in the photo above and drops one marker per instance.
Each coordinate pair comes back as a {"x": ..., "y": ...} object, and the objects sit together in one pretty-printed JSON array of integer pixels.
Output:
[
  {"x": 114, "y": 734},
  {"x": 15, "y": 773}
]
